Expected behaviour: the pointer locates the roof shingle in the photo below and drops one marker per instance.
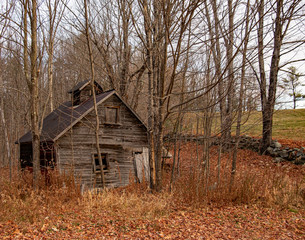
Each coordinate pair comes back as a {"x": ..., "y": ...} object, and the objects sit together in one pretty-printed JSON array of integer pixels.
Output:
[{"x": 64, "y": 117}]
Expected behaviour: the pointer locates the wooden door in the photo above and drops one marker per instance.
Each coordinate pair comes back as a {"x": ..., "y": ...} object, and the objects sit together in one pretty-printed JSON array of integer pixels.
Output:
[{"x": 141, "y": 162}]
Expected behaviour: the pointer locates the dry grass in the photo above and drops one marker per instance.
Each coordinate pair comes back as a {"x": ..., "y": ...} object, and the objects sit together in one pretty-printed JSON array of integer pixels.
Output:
[
  {"x": 19, "y": 202},
  {"x": 129, "y": 203},
  {"x": 275, "y": 190},
  {"x": 258, "y": 181}
]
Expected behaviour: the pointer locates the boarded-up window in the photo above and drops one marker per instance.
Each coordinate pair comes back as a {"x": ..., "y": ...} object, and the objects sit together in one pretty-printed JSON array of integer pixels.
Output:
[
  {"x": 112, "y": 115},
  {"x": 105, "y": 162}
]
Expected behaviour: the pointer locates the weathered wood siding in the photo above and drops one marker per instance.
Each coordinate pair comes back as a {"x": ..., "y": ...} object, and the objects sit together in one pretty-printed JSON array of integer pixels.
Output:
[
  {"x": 118, "y": 141},
  {"x": 142, "y": 165}
]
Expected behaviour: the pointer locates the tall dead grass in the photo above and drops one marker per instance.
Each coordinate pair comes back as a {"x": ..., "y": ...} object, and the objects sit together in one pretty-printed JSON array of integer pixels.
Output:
[
  {"x": 129, "y": 204},
  {"x": 20, "y": 203},
  {"x": 58, "y": 194},
  {"x": 270, "y": 189}
]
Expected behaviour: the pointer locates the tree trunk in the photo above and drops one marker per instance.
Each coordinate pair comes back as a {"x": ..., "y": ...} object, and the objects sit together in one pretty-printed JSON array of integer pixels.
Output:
[
  {"x": 97, "y": 121},
  {"x": 230, "y": 84},
  {"x": 124, "y": 10},
  {"x": 34, "y": 96},
  {"x": 274, "y": 68},
  {"x": 4, "y": 126},
  {"x": 217, "y": 60},
  {"x": 50, "y": 75},
  {"x": 241, "y": 97},
  {"x": 149, "y": 63}
]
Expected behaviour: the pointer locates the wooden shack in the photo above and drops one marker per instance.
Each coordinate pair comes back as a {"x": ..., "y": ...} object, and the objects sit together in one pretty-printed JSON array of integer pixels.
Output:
[{"x": 68, "y": 139}]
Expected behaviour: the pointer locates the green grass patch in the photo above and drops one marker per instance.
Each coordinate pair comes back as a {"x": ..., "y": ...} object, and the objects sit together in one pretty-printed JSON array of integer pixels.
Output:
[{"x": 287, "y": 124}]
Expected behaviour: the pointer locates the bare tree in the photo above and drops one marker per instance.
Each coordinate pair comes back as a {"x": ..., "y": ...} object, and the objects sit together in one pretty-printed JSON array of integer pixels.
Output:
[
  {"x": 33, "y": 86},
  {"x": 162, "y": 33},
  {"x": 165, "y": 58},
  {"x": 111, "y": 36},
  {"x": 55, "y": 13},
  {"x": 4, "y": 21},
  {"x": 284, "y": 13},
  {"x": 92, "y": 82},
  {"x": 241, "y": 91}
]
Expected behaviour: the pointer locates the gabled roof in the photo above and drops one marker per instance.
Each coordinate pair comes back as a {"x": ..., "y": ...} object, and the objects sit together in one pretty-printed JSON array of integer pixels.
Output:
[
  {"x": 82, "y": 85},
  {"x": 66, "y": 116}
]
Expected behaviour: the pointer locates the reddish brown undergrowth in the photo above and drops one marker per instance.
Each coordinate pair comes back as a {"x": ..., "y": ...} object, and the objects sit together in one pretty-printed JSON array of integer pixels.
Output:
[
  {"x": 292, "y": 143},
  {"x": 266, "y": 201},
  {"x": 21, "y": 203},
  {"x": 258, "y": 180}
]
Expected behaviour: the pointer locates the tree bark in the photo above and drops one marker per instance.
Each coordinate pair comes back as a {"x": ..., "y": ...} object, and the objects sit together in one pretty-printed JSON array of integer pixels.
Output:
[
  {"x": 241, "y": 96},
  {"x": 5, "y": 19},
  {"x": 149, "y": 63},
  {"x": 124, "y": 10},
  {"x": 268, "y": 104},
  {"x": 34, "y": 96},
  {"x": 50, "y": 75},
  {"x": 216, "y": 52},
  {"x": 4, "y": 126},
  {"x": 230, "y": 85},
  {"x": 97, "y": 121},
  {"x": 54, "y": 12}
]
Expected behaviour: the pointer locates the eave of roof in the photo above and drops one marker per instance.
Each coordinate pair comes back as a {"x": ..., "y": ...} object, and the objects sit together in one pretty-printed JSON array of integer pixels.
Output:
[
  {"x": 58, "y": 122},
  {"x": 63, "y": 118}
]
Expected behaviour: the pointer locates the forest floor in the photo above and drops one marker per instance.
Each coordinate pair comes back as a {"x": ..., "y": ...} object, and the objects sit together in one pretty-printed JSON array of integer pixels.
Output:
[{"x": 266, "y": 202}]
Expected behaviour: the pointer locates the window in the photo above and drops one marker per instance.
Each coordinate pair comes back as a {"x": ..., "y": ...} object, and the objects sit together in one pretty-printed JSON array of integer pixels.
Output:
[
  {"x": 112, "y": 115},
  {"x": 76, "y": 98},
  {"x": 85, "y": 94},
  {"x": 105, "y": 162}
]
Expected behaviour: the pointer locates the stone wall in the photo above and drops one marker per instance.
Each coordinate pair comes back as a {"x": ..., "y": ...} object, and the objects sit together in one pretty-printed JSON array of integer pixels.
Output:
[{"x": 276, "y": 150}]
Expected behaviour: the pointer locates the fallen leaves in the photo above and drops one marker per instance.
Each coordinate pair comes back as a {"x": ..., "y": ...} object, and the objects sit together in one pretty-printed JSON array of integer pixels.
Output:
[
  {"x": 231, "y": 222},
  {"x": 292, "y": 143},
  {"x": 106, "y": 218}
]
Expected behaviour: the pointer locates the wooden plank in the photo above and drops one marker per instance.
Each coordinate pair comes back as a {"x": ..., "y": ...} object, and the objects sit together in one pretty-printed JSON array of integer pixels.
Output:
[{"x": 76, "y": 147}]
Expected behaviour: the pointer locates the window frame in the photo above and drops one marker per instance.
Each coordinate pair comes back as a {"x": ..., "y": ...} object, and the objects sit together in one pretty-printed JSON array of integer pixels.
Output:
[
  {"x": 107, "y": 115},
  {"x": 106, "y": 163}
]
